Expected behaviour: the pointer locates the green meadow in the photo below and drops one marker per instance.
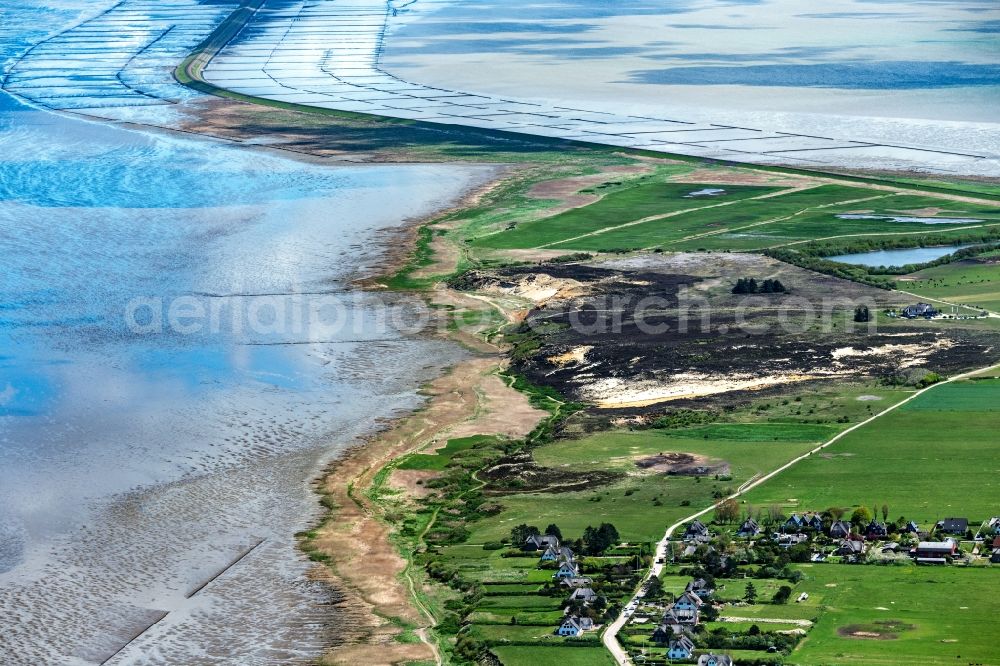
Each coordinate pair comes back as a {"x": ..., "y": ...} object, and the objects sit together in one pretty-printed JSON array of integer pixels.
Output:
[
  {"x": 922, "y": 615},
  {"x": 644, "y": 198},
  {"x": 523, "y": 655},
  {"x": 967, "y": 282},
  {"x": 931, "y": 458},
  {"x": 438, "y": 460},
  {"x": 746, "y": 217}
]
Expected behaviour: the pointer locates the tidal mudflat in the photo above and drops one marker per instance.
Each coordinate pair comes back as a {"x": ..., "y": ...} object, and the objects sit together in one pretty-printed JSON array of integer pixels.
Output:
[{"x": 140, "y": 459}]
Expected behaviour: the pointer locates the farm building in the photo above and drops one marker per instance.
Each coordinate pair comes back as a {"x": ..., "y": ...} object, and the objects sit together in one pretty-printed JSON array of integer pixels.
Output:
[{"x": 944, "y": 548}]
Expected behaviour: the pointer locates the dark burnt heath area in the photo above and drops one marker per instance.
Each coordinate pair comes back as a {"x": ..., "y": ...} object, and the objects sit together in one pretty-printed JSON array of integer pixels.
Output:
[{"x": 642, "y": 333}]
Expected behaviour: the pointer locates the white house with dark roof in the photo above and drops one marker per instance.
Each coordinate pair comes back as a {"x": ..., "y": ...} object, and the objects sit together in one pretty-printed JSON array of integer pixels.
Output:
[
  {"x": 575, "y": 626},
  {"x": 551, "y": 554}
]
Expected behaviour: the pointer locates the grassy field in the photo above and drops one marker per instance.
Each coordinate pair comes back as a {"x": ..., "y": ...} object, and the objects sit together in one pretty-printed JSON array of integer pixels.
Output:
[
  {"x": 523, "y": 655},
  {"x": 740, "y": 219},
  {"x": 438, "y": 460},
  {"x": 931, "y": 458},
  {"x": 643, "y": 198},
  {"x": 942, "y": 615},
  {"x": 969, "y": 282}
]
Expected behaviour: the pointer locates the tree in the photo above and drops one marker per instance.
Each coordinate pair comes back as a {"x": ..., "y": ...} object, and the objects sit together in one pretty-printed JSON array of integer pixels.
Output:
[
  {"x": 862, "y": 314},
  {"x": 782, "y": 595},
  {"x": 835, "y": 512},
  {"x": 654, "y": 589},
  {"x": 553, "y": 530},
  {"x": 750, "y": 595},
  {"x": 861, "y": 516},
  {"x": 885, "y": 512},
  {"x": 521, "y": 532},
  {"x": 754, "y": 630},
  {"x": 599, "y": 539},
  {"x": 728, "y": 511}
]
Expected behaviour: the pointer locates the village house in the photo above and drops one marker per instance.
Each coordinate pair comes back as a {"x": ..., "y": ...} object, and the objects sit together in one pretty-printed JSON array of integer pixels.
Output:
[
  {"x": 700, "y": 587},
  {"x": 911, "y": 528},
  {"x": 568, "y": 569},
  {"x": 919, "y": 310},
  {"x": 584, "y": 594},
  {"x": 995, "y": 557},
  {"x": 551, "y": 554},
  {"x": 840, "y": 530},
  {"x": 794, "y": 522},
  {"x": 680, "y": 648},
  {"x": 540, "y": 542},
  {"x": 957, "y": 526},
  {"x": 686, "y": 608},
  {"x": 994, "y": 525},
  {"x": 715, "y": 660},
  {"x": 575, "y": 626},
  {"x": 665, "y": 631},
  {"x": 566, "y": 554},
  {"x": 876, "y": 530},
  {"x": 789, "y": 540},
  {"x": 574, "y": 582},
  {"x": 850, "y": 549},
  {"x": 749, "y": 528},
  {"x": 696, "y": 531}
]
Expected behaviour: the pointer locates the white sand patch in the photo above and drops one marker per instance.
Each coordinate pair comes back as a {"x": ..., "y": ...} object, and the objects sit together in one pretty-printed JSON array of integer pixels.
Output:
[
  {"x": 868, "y": 398},
  {"x": 577, "y": 355},
  {"x": 537, "y": 288},
  {"x": 914, "y": 353},
  {"x": 613, "y": 392}
]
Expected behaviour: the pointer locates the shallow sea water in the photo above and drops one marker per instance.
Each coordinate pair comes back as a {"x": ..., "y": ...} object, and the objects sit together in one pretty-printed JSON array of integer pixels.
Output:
[{"x": 139, "y": 459}]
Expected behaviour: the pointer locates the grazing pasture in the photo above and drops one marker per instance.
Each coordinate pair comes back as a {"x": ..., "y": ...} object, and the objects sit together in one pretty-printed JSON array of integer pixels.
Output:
[
  {"x": 883, "y": 616},
  {"x": 933, "y": 457},
  {"x": 969, "y": 282}
]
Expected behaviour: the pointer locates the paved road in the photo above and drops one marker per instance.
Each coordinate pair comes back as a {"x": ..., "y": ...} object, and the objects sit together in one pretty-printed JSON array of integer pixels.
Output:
[{"x": 610, "y": 635}]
